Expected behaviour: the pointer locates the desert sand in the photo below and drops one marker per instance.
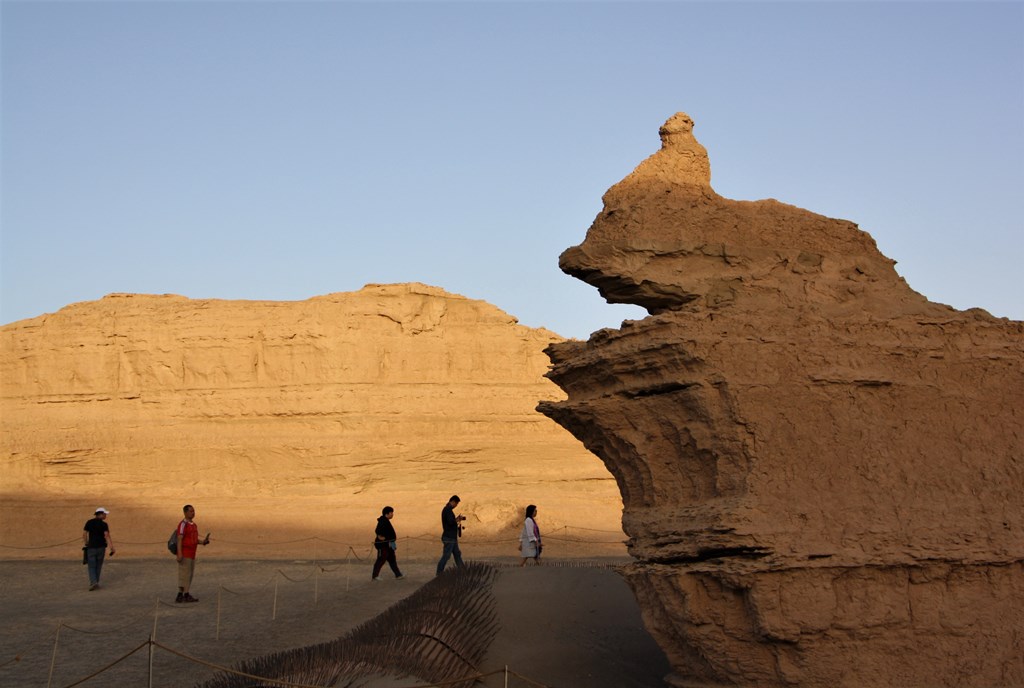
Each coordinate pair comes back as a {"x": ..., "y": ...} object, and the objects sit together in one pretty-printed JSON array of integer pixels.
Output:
[{"x": 571, "y": 622}]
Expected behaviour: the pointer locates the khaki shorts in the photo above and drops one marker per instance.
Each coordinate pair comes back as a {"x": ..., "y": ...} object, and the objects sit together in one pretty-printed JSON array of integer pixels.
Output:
[{"x": 186, "y": 567}]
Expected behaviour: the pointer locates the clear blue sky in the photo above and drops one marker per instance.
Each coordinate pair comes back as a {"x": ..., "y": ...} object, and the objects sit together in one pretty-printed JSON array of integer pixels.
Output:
[{"x": 282, "y": 150}]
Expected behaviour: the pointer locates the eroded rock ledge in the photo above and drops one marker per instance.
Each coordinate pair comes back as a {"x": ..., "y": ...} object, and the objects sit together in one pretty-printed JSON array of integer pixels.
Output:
[{"x": 821, "y": 470}]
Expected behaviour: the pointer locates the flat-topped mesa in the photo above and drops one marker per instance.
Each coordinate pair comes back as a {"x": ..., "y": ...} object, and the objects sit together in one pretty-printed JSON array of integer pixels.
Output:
[
  {"x": 820, "y": 469},
  {"x": 665, "y": 240},
  {"x": 296, "y": 418}
]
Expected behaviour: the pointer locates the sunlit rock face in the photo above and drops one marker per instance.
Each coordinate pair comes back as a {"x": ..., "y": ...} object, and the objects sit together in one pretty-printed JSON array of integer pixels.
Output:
[
  {"x": 822, "y": 471},
  {"x": 284, "y": 420}
]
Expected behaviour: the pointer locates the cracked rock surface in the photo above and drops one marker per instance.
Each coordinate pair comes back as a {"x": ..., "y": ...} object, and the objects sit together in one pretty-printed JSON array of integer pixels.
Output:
[{"x": 821, "y": 470}]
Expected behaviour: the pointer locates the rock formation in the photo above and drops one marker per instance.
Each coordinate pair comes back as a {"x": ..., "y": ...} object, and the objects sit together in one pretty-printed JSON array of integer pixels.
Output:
[
  {"x": 283, "y": 421},
  {"x": 822, "y": 471}
]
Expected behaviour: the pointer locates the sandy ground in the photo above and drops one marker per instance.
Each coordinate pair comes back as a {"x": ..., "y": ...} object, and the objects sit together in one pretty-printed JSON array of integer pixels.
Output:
[{"x": 570, "y": 623}]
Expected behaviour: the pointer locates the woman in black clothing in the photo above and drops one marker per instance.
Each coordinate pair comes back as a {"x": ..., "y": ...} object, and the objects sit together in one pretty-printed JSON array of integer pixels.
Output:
[{"x": 386, "y": 543}]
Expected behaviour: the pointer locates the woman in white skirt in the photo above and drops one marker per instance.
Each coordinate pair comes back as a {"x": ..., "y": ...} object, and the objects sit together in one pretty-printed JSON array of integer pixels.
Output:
[{"x": 529, "y": 539}]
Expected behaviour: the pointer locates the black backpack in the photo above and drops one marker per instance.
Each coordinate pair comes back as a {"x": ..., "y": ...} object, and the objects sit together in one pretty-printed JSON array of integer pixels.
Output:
[{"x": 172, "y": 544}]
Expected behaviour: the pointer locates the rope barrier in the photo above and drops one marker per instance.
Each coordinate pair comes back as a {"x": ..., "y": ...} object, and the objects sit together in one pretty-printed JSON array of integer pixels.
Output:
[
  {"x": 112, "y": 630},
  {"x": 325, "y": 569},
  {"x": 593, "y": 530},
  {"x": 18, "y": 656},
  {"x": 283, "y": 575},
  {"x": 527, "y": 679},
  {"x": 355, "y": 554},
  {"x": 582, "y": 542},
  {"x": 281, "y": 542},
  {"x": 315, "y": 569},
  {"x": 151, "y": 642},
  {"x": 426, "y": 537},
  {"x": 333, "y": 542},
  {"x": 288, "y": 684},
  {"x": 253, "y": 592},
  {"x": 228, "y": 670},
  {"x": 59, "y": 544},
  {"x": 454, "y": 681},
  {"x": 351, "y": 557},
  {"x": 296, "y": 580},
  {"x": 280, "y": 682},
  {"x": 112, "y": 664}
]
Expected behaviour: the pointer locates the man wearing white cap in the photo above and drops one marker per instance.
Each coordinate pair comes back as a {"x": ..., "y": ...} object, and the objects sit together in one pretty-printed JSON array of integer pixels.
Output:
[{"x": 96, "y": 538}]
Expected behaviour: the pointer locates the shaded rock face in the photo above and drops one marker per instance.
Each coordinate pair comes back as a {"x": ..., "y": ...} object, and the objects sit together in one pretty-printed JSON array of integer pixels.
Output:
[
  {"x": 821, "y": 470},
  {"x": 282, "y": 420}
]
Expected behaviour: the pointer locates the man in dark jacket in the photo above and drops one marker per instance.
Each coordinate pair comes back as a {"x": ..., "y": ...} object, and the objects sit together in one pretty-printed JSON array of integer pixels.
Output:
[
  {"x": 386, "y": 542},
  {"x": 96, "y": 538},
  {"x": 450, "y": 533}
]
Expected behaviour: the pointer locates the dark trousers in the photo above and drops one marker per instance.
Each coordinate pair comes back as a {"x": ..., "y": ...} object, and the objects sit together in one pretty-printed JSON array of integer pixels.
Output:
[
  {"x": 385, "y": 554},
  {"x": 451, "y": 548},
  {"x": 94, "y": 556}
]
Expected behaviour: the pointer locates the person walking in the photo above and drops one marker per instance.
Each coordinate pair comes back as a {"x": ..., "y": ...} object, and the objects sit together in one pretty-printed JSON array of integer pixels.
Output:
[
  {"x": 188, "y": 543},
  {"x": 95, "y": 540},
  {"x": 451, "y": 531},
  {"x": 386, "y": 542},
  {"x": 529, "y": 538}
]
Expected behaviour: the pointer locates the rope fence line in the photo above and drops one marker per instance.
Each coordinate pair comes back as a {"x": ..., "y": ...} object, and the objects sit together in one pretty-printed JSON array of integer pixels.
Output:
[
  {"x": 107, "y": 667},
  {"x": 288, "y": 684},
  {"x": 62, "y": 626},
  {"x": 316, "y": 568},
  {"x": 426, "y": 537},
  {"x": 524, "y": 678},
  {"x": 19, "y": 655},
  {"x": 59, "y": 544},
  {"x": 234, "y": 672},
  {"x": 279, "y": 573},
  {"x": 347, "y": 562},
  {"x": 111, "y": 630},
  {"x": 314, "y": 573},
  {"x": 250, "y": 592},
  {"x": 297, "y": 580},
  {"x": 351, "y": 558}
]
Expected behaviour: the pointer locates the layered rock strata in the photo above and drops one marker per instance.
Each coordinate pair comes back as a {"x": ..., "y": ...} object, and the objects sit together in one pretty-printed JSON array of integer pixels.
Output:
[
  {"x": 821, "y": 470},
  {"x": 285, "y": 420}
]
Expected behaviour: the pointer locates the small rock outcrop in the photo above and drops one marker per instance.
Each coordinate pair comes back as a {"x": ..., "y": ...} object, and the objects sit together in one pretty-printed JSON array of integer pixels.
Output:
[
  {"x": 821, "y": 470},
  {"x": 284, "y": 420}
]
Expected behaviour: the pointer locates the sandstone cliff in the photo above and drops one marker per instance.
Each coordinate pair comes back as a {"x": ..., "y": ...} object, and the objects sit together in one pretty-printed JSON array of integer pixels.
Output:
[
  {"x": 821, "y": 470},
  {"x": 284, "y": 420}
]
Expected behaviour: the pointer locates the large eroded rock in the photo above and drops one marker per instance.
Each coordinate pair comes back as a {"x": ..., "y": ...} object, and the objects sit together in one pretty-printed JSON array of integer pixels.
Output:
[
  {"x": 822, "y": 471},
  {"x": 285, "y": 420}
]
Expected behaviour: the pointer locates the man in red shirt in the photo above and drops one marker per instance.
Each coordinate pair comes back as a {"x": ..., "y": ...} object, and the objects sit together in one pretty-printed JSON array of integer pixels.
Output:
[{"x": 188, "y": 543}]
